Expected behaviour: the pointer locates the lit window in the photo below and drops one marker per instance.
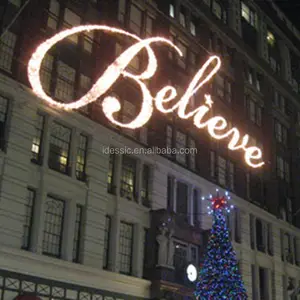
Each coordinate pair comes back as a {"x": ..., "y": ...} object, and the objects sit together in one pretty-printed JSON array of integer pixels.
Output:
[
  {"x": 217, "y": 9},
  {"x": 270, "y": 38},
  {"x": 7, "y": 48},
  {"x": 181, "y": 142},
  {"x": 249, "y": 15},
  {"x": 53, "y": 226},
  {"x": 81, "y": 158},
  {"x": 135, "y": 23},
  {"x": 122, "y": 10},
  {"x": 193, "y": 28},
  {"x": 182, "y": 59},
  {"x": 65, "y": 83},
  {"x": 71, "y": 20},
  {"x": 36, "y": 149},
  {"x": 182, "y": 19},
  {"x": 27, "y": 226},
  {"x": 60, "y": 140},
  {"x": 53, "y": 14},
  {"x": 77, "y": 234},
  {"x": 106, "y": 242},
  {"x": 46, "y": 72},
  {"x": 172, "y": 10},
  {"x": 128, "y": 177},
  {"x": 126, "y": 248}
]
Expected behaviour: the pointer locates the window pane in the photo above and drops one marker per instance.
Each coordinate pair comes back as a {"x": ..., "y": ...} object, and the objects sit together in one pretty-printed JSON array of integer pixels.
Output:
[
  {"x": 77, "y": 233},
  {"x": 145, "y": 186},
  {"x": 135, "y": 19},
  {"x": 128, "y": 178},
  {"x": 125, "y": 247},
  {"x": 122, "y": 9},
  {"x": 70, "y": 20},
  {"x": 106, "y": 242},
  {"x": 222, "y": 170},
  {"x": 46, "y": 72},
  {"x": 7, "y": 47},
  {"x": 110, "y": 175},
  {"x": 65, "y": 82},
  {"x": 172, "y": 11},
  {"x": 181, "y": 142},
  {"x": 53, "y": 14},
  {"x": 27, "y": 227},
  {"x": 60, "y": 139},
  {"x": 81, "y": 158},
  {"x": 53, "y": 226},
  {"x": 37, "y": 139}
]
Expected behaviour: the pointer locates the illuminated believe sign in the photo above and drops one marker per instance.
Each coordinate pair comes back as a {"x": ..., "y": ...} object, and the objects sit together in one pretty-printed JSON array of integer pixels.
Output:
[{"x": 216, "y": 126}]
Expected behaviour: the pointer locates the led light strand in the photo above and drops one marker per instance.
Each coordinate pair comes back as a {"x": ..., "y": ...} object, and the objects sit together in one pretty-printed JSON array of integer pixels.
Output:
[{"x": 215, "y": 125}]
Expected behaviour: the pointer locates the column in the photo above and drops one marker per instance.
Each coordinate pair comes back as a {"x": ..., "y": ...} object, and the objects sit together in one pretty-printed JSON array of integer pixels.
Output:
[
  {"x": 39, "y": 208},
  {"x": 69, "y": 230},
  {"x": 138, "y": 250},
  {"x": 113, "y": 263}
]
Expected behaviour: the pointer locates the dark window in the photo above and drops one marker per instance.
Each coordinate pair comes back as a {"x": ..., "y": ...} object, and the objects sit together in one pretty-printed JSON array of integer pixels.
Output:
[
  {"x": 196, "y": 207},
  {"x": 263, "y": 283},
  {"x": 180, "y": 261},
  {"x": 3, "y": 120},
  {"x": 53, "y": 226},
  {"x": 128, "y": 177},
  {"x": 106, "y": 242},
  {"x": 110, "y": 175},
  {"x": 81, "y": 158},
  {"x": 7, "y": 48},
  {"x": 126, "y": 247},
  {"x": 36, "y": 148},
  {"x": 60, "y": 140},
  {"x": 29, "y": 210},
  {"x": 170, "y": 194},
  {"x": 145, "y": 186},
  {"x": 259, "y": 236},
  {"x": 182, "y": 199},
  {"x": 77, "y": 233},
  {"x": 146, "y": 243}
]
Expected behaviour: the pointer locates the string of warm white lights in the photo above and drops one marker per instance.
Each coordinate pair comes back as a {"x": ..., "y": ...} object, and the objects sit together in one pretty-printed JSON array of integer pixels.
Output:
[{"x": 111, "y": 105}]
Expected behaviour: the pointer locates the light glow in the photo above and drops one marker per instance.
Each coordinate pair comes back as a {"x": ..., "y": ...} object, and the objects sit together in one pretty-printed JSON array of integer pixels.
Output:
[{"x": 216, "y": 126}]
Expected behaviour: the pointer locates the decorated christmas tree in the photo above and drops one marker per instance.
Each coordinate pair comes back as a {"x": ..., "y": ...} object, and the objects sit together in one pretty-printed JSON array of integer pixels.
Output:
[{"x": 219, "y": 276}]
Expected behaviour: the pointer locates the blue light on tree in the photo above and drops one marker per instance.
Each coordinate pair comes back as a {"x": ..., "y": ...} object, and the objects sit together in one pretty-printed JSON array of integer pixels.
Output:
[{"x": 219, "y": 276}]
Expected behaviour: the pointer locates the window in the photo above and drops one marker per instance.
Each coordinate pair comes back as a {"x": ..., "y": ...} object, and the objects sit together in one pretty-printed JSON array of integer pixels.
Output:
[
  {"x": 54, "y": 9},
  {"x": 16, "y": 3},
  {"x": 88, "y": 41},
  {"x": 3, "y": 120},
  {"x": 193, "y": 28},
  {"x": 172, "y": 10},
  {"x": 192, "y": 154},
  {"x": 126, "y": 248},
  {"x": 7, "y": 48},
  {"x": 149, "y": 26},
  {"x": 263, "y": 283},
  {"x": 279, "y": 101},
  {"x": 27, "y": 227},
  {"x": 81, "y": 158},
  {"x": 110, "y": 175},
  {"x": 170, "y": 194},
  {"x": 237, "y": 225},
  {"x": 180, "y": 261},
  {"x": 60, "y": 140},
  {"x": 128, "y": 114},
  {"x": 249, "y": 15},
  {"x": 122, "y": 11},
  {"x": 270, "y": 38},
  {"x": 135, "y": 23},
  {"x": 182, "y": 59},
  {"x": 260, "y": 241},
  {"x": 53, "y": 226},
  {"x": 36, "y": 148},
  {"x": 254, "y": 110},
  {"x": 46, "y": 72},
  {"x": 196, "y": 207},
  {"x": 71, "y": 20},
  {"x": 106, "y": 242},
  {"x": 145, "y": 186},
  {"x": 181, "y": 141},
  {"x": 182, "y": 200},
  {"x": 223, "y": 88},
  {"x": 283, "y": 169},
  {"x": 128, "y": 177},
  {"x": 182, "y": 19},
  {"x": 287, "y": 252},
  {"x": 222, "y": 170},
  {"x": 280, "y": 133},
  {"x": 169, "y": 138},
  {"x": 219, "y": 11},
  {"x": 65, "y": 82},
  {"x": 77, "y": 234}
]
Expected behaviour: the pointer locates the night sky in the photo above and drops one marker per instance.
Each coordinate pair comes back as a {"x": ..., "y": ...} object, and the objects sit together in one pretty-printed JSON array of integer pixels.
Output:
[{"x": 291, "y": 8}]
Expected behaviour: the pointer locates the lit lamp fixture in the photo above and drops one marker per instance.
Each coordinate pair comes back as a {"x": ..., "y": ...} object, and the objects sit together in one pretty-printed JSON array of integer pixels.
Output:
[
  {"x": 216, "y": 126},
  {"x": 270, "y": 38},
  {"x": 192, "y": 273}
]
